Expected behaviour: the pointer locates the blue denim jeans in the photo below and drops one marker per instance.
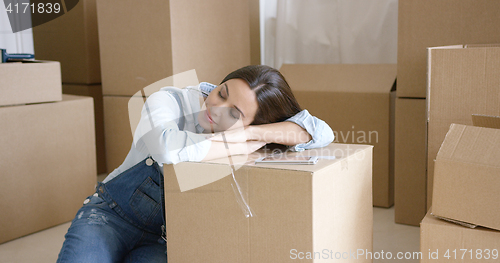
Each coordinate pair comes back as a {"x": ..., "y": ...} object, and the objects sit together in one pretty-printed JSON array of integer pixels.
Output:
[{"x": 122, "y": 221}]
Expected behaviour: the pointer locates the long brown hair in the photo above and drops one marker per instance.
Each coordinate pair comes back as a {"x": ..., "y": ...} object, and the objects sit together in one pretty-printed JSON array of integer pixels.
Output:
[{"x": 274, "y": 96}]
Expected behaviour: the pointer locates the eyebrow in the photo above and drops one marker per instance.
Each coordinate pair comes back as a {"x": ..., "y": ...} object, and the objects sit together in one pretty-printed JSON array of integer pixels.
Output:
[{"x": 227, "y": 92}]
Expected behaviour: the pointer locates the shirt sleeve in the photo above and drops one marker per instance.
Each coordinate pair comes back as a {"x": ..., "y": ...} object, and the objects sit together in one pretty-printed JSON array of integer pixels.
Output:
[
  {"x": 320, "y": 131},
  {"x": 158, "y": 133},
  {"x": 206, "y": 87}
]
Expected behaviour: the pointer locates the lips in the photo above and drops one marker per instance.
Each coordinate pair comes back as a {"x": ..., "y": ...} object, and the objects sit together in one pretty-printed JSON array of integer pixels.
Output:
[{"x": 209, "y": 118}]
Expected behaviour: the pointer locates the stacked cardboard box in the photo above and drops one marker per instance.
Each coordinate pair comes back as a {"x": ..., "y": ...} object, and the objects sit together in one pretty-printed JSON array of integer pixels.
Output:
[
  {"x": 467, "y": 174},
  {"x": 463, "y": 80},
  {"x": 357, "y": 101},
  {"x": 23, "y": 82},
  {"x": 422, "y": 24},
  {"x": 47, "y": 166},
  {"x": 410, "y": 161},
  {"x": 142, "y": 43},
  {"x": 466, "y": 182},
  {"x": 442, "y": 241},
  {"x": 317, "y": 213},
  {"x": 72, "y": 39}
]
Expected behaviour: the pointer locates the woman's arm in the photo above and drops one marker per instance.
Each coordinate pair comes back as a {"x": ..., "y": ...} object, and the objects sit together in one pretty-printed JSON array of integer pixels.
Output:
[
  {"x": 286, "y": 133},
  {"x": 321, "y": 133},
  {"x": 302, "y": 131},
  {"x": 224, "y": 149}
]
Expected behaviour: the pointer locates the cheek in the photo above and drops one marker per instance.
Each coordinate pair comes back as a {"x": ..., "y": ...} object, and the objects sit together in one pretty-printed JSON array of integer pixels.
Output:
[{"x": 232, "y": 123}]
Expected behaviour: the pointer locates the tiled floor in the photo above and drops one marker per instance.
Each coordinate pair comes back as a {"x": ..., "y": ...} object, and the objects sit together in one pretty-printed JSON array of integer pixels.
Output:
[{"x": 387, "y": 237}]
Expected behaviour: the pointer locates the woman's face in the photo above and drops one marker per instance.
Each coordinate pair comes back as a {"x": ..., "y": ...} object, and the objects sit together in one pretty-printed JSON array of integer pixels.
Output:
[{"x": 231, "y": 105}]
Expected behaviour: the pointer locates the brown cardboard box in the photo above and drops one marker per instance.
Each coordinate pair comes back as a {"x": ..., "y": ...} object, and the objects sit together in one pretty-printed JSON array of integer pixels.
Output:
[
  {"x": 48, "y": 166},
  {"x": 72, "y": 39},
  {"x": 467, "y": 176},
  {"x": 143, "y": 42},
  {"x": 324, "y": 208},
  {"x": 30, "y": 82},
  {"x": 357, "y": 102},
  {"x": 463, "y": 80},
  {"x": 442, "y": 241},
  {"x": 430, "y": 23},
  {"x": 94, "y": 91},
  {"x": 410, "y": 178},
  {"x": 255, "y": 31},
  {"x": 117, "y": 131}
]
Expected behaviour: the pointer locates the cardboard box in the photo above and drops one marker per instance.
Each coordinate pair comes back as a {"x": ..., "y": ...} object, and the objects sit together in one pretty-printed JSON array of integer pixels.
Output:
[
  {"x": 430, "y": 23},
  {"x": 94, "y": 91},
  {"x": 72, "y": 39},
  {"x": 467, "y": 176},
  {"x": 320, "y": 208},
  {"x": 442, "y": 241},
  {"x": 255, "y": 32},
  {"x": 357, "y": 101},
  {"x": 463, "y": 80},
  {"x": 48, "y": 166},
  {"x": 410, "y": 180},
  {"x": 143, "y": 42},
  {"x": 117, "y": 131},
  {"x": 30, "y": 82}
]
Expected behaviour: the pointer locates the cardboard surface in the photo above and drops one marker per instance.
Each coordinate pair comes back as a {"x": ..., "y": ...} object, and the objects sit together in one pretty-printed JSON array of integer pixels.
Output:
[
  {"x": 143, "y": 42},
  {"x": 486, "y": 121},
  {"x": 462, "y": 81},
  {"x": 94, "y": 91},
  {"x": 470, "y": 245},
  {"x": 356, "y": 101},
  {"x": 117, "y": 131},
  {"x": 297, "y": 208},
  {"x": 254, "y": 7},
  {"x": 72, "y": 39},
  {"x": 48, "y": 165},
  {"x": 410, "y": 180},
  {"x": 429, "y": 23},
  {"x": 30, "y": 82},
  {"x": 467, "y": 176}
]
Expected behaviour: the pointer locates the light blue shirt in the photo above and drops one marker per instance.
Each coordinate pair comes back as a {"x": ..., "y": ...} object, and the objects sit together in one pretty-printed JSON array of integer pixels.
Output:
[{"x": 169, "y": 131}]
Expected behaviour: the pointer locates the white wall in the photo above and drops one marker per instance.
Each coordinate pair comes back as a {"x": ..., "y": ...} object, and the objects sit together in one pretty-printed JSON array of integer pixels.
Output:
[
  {"x": 20, "y": 42},
  {"x": 328, "y": 31}
]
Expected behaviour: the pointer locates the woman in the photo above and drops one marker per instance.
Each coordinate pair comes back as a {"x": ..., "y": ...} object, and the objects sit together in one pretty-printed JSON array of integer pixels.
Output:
[{"x": 123, "y": 220}]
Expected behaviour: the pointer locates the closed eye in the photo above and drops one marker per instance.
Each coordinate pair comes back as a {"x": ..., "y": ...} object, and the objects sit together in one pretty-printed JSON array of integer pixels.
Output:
[{"x": 235, "y": 114}]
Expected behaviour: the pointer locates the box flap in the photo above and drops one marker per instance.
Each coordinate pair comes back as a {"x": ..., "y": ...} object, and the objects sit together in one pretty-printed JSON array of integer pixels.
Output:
[
  {"x": 486, "y": 121},
  {"x": 372, "y": 78},
  {"x": 447, "y": 47},
  {"x": 469, "y": 144},
  {"x": 481, "y": 45}
]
